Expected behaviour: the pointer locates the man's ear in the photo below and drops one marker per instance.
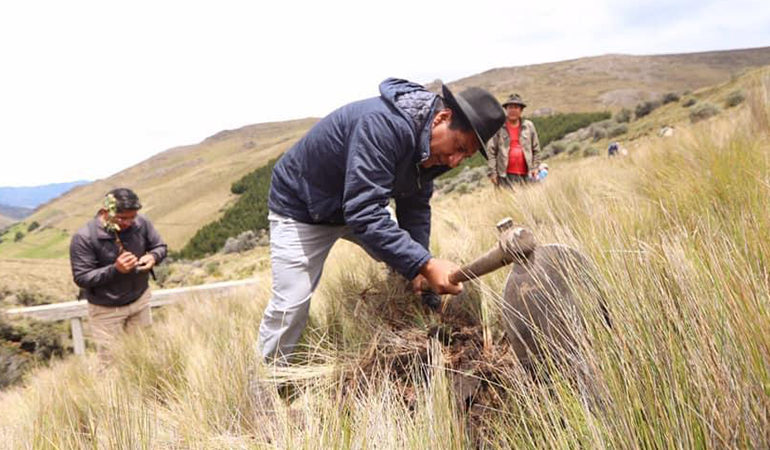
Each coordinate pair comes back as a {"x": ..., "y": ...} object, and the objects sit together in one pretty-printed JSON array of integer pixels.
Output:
[{"x": 445, "y": 115}]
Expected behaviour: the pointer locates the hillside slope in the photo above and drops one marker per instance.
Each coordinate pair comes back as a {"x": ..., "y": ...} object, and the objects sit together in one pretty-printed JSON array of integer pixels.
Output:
[
  {"x": 180, "y": 188},
  {"x": 187, "y": 187},
  {"x": 614, "y": 81},
  {"x": 5, "y": 221},
  {"x": 678, "y": 242}
]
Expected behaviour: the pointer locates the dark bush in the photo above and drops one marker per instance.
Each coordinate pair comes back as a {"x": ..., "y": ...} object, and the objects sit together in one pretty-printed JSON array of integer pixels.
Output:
[
  {"x": 25, "y": 342},
  {"x": 617, "y": 130},
  {"x": 33, "y": 226},
  {"x": 556, "y": 148},
  {"x": 670, "y": 97},
  {"x": 19, "y": 236},
  {"x": 735, "y": 98},
  {"x": 623, "y": 116},
  {"x": 248, "y": 213},
  {"x": 689, "y": 102},
  {"x": 703, "y": 111},
  {"x": 598, "y": 133},
  {"x": 14, "y": 362},
  {"x": 644, "y": 108},
  {"x": 29, "y": 298}
]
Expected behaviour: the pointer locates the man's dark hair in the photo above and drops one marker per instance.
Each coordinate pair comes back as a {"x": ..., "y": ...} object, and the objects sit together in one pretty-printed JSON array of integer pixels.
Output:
[
  {"x": 126, "y": 199},
  {"x": 458, "y": 121}
]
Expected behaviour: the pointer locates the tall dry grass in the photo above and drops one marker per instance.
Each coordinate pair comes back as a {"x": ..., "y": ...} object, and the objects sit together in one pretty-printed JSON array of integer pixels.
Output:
[{"x": 678, "y": 232}]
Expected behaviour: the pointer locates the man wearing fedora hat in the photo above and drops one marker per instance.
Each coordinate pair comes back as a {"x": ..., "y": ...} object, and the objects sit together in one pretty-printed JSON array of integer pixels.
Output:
[
  {"x": 514, "y": 151},
  {"x": 336, "y": 182}
]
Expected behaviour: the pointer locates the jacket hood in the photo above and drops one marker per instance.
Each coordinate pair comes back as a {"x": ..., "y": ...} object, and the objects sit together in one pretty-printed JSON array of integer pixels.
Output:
[{"x": 416, "y": 104}]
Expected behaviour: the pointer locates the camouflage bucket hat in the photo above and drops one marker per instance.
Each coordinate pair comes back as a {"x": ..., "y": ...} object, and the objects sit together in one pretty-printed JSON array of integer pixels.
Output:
[{"x": 514, "y": 99}]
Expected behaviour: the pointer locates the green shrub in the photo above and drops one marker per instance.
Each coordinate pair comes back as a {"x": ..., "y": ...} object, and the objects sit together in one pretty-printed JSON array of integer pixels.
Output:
[
  {"x": 212, "y": 267},
  {"x": 24, "y": 343},
  {"x": 689, "y": 102},
  {"x": 574, "y": 148},
  {"x": 29, "y": 298},
  {"x": 735, "y": 98},
  {"x": 623, "y": 116},
  {"x": 598, "y": 133},
  {"x": 554, "y": 148},
  {"x": 703, "y": 111},
  {"x": 19, "y": 236},
  {"x": 248, "y": 213},
  {"x": 162, "y": 272},
  {"x": 590, "y": 151},
  {"x": 644, "y": 108},
  {"x": 670, "y": 97},
  {"x": 617, "y": 130},
  {"x": 33, "y": 226}
]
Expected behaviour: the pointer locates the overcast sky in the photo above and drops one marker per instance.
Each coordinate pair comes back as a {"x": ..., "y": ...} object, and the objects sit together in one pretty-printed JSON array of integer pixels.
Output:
[{"x": 88, "y": 88}]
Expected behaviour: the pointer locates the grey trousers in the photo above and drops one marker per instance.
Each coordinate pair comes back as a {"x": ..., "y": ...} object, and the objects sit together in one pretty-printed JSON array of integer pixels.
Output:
[{"x": 297, "y": 255}]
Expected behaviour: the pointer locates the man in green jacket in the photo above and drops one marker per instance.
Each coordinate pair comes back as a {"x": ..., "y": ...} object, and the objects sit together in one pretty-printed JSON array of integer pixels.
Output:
[{"x": 514, "y": 151}]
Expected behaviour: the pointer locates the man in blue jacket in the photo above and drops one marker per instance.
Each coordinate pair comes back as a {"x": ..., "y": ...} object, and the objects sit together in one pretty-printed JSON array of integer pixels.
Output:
[{"x": 337, "y": 181}]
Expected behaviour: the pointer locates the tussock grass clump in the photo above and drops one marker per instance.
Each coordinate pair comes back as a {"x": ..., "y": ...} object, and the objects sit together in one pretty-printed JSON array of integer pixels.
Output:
[
  {"x": 735, "y": 98},
  {"x": 703, "y": 111},
  {"x": 645, "y": 108},
  {"x": 670, "y": 97}
]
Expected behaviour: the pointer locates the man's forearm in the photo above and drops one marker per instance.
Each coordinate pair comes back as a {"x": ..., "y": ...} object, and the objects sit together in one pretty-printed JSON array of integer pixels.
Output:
[{"x": 95, "y": 277}]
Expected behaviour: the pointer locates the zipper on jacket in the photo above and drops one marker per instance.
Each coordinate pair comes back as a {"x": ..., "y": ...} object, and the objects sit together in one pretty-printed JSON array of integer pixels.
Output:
[{"x": 419, "y": 183}]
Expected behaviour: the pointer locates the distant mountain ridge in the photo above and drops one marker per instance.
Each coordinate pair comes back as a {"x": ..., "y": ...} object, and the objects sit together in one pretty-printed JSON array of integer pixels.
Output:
[
  {"x": 615, "y": 81},
  {"x": 33, "y": 196},
  {"x": 15, "y": 212}
]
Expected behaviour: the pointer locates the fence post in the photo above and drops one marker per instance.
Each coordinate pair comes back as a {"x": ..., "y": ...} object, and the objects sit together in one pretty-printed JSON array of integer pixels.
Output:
[{"x": 77, "y": 336}]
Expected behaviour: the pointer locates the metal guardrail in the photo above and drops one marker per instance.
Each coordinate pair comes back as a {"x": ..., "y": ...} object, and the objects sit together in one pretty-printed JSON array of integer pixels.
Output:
[{"x": 76, "y": 310}]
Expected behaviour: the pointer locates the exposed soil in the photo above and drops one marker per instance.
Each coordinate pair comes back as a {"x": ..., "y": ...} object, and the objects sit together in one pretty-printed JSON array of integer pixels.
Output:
[{"x": 401, "y": 351}]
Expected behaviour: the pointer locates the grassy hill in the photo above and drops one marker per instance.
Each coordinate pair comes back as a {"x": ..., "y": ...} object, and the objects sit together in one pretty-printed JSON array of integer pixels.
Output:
[
  {"x": 614, "y": 81},
  {"x": 186, "y": 187},
  {"x": 5, "y": 221},
  {"x": 181, "y": 188},
  {"x": 679, "y": 242}
]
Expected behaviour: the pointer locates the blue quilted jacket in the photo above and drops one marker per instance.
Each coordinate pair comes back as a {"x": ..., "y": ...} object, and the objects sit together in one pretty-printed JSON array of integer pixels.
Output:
[{"x": 346, "y": 169}]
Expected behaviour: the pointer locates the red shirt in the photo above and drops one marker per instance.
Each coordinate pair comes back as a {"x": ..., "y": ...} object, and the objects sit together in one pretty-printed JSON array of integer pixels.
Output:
[{"x": 517, "y": 164}]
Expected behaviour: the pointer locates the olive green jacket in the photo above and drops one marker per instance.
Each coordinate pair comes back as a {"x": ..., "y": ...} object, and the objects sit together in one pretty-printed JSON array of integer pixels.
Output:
[{"x": 499, "y": 146}]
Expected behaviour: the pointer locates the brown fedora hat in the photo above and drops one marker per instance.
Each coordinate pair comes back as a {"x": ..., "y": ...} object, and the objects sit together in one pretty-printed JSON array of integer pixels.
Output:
[{"x": 480, "y": 109}]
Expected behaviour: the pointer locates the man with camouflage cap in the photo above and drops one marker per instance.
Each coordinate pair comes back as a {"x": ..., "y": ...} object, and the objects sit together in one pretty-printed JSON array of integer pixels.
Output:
[
  {"x": 111, "y": 258},
  {"x": 514, "y": 151}
]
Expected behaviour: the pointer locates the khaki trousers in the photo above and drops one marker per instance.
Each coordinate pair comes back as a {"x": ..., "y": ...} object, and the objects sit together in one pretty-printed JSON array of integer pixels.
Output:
[{"x": 110, "y": 322}]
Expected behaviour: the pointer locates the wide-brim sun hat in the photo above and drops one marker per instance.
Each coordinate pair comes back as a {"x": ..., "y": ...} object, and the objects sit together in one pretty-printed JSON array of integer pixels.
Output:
[
  {"x": 481, "y": 111},
  {"x": 514, "y": 99}
]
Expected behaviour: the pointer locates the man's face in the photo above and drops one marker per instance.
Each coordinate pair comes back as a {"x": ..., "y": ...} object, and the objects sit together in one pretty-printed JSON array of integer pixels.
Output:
[
  {"x": 449, "y": 147},
  {"x": 124, "y": 219},
  {"x": 513, "y": 112}
]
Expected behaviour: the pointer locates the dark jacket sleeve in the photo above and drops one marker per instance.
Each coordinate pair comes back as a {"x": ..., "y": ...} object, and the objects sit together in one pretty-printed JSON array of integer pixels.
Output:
[
  {"x": 413, "y": 214},
  {"x": 375, "y": 145},
  {"x": 85, "y": 266},
  {"x": 155, "y": 244}
]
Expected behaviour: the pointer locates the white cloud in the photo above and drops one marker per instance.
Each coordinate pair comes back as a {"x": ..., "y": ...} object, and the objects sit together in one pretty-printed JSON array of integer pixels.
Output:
[{"x": 90, "y": 87}]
